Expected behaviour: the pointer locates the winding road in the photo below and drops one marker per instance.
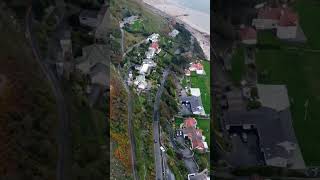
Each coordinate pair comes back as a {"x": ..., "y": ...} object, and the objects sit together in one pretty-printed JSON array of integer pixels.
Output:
[
  {"x": 63, "y": 168},
  {"x": 156, "y": 129}
]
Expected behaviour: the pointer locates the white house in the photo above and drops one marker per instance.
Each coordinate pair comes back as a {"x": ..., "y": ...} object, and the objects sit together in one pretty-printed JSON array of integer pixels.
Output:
[
  {"x": 267, "y": 18},
  {"x": 141, "y": 82},
  {"x": 174, "y": 33},
  {"x": 130, "y": 20},
  {"x": 288, "y": 24},
  {"x": 198, "y": 67},
  {"x": 153, "y": 37}
]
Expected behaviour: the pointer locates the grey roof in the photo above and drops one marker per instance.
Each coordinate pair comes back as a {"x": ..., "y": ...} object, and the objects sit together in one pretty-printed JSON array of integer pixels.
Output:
[
  {"x": 276, "y": 134},
  {"x": 89, "y": 14},
  {"x": 273, "y": 96},
  {"x": 190, "y": 103},
  {"x": 91, "y": 55},
  {"x": 99, "y": 74}
]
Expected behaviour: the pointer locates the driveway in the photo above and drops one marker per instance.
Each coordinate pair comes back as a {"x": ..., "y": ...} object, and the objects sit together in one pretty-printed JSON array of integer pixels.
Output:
[
  {"x": 188, "y": 159},
  {"x": 245, "y": 154}
]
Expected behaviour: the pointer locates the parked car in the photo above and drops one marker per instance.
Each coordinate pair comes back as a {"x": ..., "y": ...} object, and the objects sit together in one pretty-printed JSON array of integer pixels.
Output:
[{"x": 162, "y": 149}]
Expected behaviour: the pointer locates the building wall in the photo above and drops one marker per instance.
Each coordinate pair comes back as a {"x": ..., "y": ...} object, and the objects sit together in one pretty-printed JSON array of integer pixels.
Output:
[
  {"x": 265, "y": 23},
  {"x": 289, "y": 32},
  {"x": 249, "y": 41}
]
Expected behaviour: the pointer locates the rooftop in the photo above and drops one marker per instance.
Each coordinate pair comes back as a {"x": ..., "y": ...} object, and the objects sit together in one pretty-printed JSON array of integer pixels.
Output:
[
  {"x": 288, "y": 18},
  {"x": 269, "y": 13},
  {"x": 247, "y": 33},
  {"x": 276, "y": 135}
]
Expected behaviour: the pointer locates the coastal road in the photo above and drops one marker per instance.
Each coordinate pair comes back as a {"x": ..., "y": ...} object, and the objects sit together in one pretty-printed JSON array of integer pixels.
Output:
[
  {"x": 156, "y": 129},
  {"x": 63, "y": 168}
]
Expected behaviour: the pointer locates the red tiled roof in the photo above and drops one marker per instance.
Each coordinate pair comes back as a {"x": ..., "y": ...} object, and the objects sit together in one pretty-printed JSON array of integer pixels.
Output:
[
  {"x": 155, "y": 45},
  {"x": 197, "y": 144},
  {"x": 196, "y": 138},
  {"x": 269, "y": 13},
  {"x": 288, "y": 18},
  {"x": 190, "y": 122},
  {"x": 198, "y": 66},
  {"x": 248, "y": 33}
]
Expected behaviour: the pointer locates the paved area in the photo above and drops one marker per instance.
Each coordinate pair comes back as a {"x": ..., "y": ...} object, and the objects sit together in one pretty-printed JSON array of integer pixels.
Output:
[
  {"x": 245, "y": 154},
  {"x": 188, "y": 159},
  {"x": 156, "y": 129}
]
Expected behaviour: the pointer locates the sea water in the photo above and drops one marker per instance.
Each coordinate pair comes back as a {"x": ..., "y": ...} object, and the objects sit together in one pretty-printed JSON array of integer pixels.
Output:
[{"x": 197, "y": 5}]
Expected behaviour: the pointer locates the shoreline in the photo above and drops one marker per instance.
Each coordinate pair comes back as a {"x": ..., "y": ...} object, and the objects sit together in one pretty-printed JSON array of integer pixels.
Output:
[{"x": 200, "y": 34}]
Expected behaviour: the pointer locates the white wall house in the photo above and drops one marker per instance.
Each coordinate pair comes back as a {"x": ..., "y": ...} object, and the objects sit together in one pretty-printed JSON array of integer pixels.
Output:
[
  {"x": 287, "y": 32},
  {"x": 262, "y": 24}
]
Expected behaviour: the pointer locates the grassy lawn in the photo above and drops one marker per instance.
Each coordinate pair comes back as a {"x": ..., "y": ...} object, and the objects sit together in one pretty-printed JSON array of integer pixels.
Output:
[
  {"x": 203, "y": 82},
  {"x": 299, "y": 71},
  {"x": 309, "y": 13},
  {"x": 238, "y": 66},
  {"x": 303, "y": 83},
  {"x": 204, "y": 124},
  {"x": 137, "y": 26}
]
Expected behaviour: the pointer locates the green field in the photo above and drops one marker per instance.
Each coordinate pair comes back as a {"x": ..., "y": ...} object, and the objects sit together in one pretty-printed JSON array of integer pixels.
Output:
[
  {"x": 203, "y": 82},
  {"x": 238, "y": 66},
  {"x": 137, "y": 26},
  {"x": 299, "y": 70}
]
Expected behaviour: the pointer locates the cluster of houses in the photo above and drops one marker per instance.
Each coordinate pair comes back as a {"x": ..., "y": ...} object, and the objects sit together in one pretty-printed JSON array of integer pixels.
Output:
[
  {"x": 194, "y": 134},
  {"x": 271, "y": 121},
  {"x": 94, "y": 60},
  {"x": 191, "y": 103},
  {"x": 147, "y": 64},
  {"x": 282, "y": 20}
]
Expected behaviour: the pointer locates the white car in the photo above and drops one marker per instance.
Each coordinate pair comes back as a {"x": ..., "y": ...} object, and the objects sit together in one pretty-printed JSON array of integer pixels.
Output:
[{"x": 162, "y": 149}]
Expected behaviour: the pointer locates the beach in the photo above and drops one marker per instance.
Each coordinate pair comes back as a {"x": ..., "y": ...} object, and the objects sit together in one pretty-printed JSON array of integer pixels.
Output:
[{"x": 198, "y": 23}]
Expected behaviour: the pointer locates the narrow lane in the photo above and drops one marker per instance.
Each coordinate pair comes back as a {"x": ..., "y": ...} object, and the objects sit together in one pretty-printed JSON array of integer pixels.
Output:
[{"x": 156, "y": 129}]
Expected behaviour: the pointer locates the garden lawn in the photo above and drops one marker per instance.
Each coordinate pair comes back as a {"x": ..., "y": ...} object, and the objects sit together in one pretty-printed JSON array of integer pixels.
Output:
[
  {"x": 238, "y": 66},
  {"x": 204, "y": 124},
  {"x": 299, "y": 71},
  {"x": 137, "y": 26},
  {"x": 203, "y": 82}
]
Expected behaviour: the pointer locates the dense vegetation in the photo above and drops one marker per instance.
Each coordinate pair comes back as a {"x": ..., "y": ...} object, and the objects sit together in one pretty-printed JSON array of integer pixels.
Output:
[{"x": 28, "y": 113}]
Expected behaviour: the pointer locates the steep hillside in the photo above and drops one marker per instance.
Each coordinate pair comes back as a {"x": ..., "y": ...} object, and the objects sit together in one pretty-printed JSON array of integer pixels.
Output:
[{"x": 28, "y": 116}]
